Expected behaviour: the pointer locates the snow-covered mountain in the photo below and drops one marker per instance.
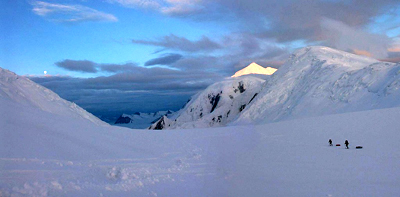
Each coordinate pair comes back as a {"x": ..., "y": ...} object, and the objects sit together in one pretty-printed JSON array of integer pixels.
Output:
[
  {"x": 141, "y": 120},
  {"x": 314, "y": 81},
  {"x": 19, "y": 89},
  {"x": 318, "y": 80},
  {"x": 217, "y": 105},
  {"x": 254, "y": 68}
]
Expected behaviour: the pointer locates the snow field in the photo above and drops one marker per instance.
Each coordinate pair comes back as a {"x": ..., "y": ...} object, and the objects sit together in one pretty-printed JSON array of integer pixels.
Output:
[{"x": 288, "y": 158}]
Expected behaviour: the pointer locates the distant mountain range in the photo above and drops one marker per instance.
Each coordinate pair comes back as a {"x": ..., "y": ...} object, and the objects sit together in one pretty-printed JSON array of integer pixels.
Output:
[
  {"x": 140, "y": 120},
  {"x": 314, "y": 81}
]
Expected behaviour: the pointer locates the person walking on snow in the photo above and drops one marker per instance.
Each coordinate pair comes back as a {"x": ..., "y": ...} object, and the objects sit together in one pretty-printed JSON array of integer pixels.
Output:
[
  {"x": 347, "y": 144},
  {"x": 330, "y": 142}
]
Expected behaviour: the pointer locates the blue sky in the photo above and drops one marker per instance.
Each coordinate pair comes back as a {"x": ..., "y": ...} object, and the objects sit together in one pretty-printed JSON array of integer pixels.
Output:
[
  {"x": 33, "y": 43},
  {"x": 111, "y": 56}
]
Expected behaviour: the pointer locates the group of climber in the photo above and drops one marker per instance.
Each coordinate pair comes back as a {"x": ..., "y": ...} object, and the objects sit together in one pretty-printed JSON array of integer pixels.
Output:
[{"x": 345, "y": 143}]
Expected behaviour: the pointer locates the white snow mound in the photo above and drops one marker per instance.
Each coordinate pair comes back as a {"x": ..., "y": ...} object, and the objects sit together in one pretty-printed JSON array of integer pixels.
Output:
[{"x": 21, "y": 90}]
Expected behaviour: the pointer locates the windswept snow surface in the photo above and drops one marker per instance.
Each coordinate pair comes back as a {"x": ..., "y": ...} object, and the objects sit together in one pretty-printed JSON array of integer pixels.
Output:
[
  {"x": 317, "y": 81},
  {"x": 21, "y": 90},
  {"x": 45, "y": 154}
]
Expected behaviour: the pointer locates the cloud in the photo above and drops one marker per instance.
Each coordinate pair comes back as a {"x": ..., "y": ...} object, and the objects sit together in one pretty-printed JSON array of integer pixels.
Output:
[
  {"x": 70, "y": 13},
  {"x": 86, "y": 66},
  {"x": 168, "y": 7},
  {"x": 173, "y": 42},
  {"x": 167, "y": 59},
  {"x": 130, "y": 76},
  {"x": 394, "y": 49},
  {"x": 130, "y": 87},
  {"x": 393, "y": 59},
  {"x": 182, "y": 7},
  {"x": 110, "y": 102},
  {"x": 289, "y": 20},
  {"x": 137, "y": 3},
  {"x": 78, "y": 65},
  {"x": 344, "y": 37},
  {"x": 361, "y": 52},
  {"x": 286, "y": 20},
  {"x": 394, "y": 56},
  {"x": 115, "y": 68}
]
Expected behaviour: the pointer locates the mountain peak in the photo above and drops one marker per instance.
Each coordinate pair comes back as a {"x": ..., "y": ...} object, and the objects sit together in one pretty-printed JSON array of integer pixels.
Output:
[{"x": 254, "y": 68}]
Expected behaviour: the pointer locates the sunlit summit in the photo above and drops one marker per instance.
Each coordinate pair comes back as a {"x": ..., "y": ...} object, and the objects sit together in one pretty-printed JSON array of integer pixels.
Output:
[{"x": 254, "y": 68}]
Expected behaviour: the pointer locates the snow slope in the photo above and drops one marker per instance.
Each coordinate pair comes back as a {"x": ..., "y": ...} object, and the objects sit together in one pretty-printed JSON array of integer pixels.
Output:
[
  {"x": 318, "y": 81},
  {"x": 217, "y": 105},
  {"x": 23, "y": 91},
  {"x": 140, "y": 120},
  {"x": 54, "y": 155},
  {"x": 254, "y": 68}
]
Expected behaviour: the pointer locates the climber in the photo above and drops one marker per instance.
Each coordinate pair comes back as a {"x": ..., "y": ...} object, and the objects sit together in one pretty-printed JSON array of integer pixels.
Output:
[{"x": 347, "y": 144}]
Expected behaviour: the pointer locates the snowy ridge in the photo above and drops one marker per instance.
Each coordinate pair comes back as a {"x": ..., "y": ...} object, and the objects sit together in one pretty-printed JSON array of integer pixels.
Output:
[
  {"x": 26, "y": 92},
  {"x": 140, "y": 120},
  {"x": 317, "y": 81},
  {"x": 216, "y": 106},
  {"x": 254, "y": 68}
]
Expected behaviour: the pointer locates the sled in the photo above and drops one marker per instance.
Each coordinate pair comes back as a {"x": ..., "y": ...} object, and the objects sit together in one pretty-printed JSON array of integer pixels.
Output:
[
  {"x": 359, "y": 147},
  {"x": 337, "y": 144}
]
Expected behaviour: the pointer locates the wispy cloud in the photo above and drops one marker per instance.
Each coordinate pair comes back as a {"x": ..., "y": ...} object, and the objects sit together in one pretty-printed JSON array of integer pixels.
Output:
[
  {"x": 168, "y": 7},
  {"x": 78, "y": 65},
  {"x": 174, "y": 42},
  {"x": 69, "y": 13},
  {"x": 167, "y": 59},
  {"x": 116, "y": 68},
  {"x": 86, "y": 66},
  {"x": 344, "y": 37},
  {"x": 137, "y": 3}
]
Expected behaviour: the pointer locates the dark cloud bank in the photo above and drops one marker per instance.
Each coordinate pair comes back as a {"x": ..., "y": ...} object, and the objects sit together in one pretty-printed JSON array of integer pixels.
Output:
[{"x": 130, "y": 88}]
